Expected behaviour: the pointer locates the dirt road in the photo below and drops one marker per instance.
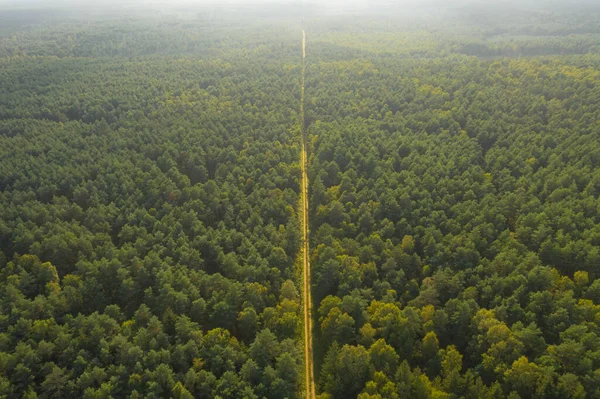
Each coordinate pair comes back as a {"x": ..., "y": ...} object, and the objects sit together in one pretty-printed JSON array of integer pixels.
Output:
[{"x": 308, "y": 343}]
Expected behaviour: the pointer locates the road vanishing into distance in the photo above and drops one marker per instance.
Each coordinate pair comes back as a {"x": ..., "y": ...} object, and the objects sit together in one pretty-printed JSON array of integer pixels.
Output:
[{"x": 308, "y": 342}]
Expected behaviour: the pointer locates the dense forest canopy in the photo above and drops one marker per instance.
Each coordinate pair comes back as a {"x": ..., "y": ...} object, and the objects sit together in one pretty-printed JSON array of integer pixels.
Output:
[{"x": 150, "y": 212}]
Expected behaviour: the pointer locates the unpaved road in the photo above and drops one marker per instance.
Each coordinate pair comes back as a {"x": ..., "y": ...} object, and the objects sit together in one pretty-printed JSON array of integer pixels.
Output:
[{"x": 308, "y": 342}]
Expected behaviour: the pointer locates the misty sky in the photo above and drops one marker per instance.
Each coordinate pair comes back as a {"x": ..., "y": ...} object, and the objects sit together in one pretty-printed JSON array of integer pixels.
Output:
[{"x": 331, "y": 3}]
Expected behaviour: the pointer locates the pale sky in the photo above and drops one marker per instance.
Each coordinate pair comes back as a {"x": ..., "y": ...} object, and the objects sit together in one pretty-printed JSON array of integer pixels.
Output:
[{"x": 331, "y": 4}]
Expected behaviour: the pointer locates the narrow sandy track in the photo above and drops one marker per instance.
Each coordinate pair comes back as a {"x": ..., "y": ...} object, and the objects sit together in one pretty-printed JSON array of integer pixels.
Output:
[{"x": 308, "y": 342}]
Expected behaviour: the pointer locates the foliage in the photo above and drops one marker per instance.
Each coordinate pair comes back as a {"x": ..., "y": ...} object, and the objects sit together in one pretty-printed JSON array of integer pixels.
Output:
[
  {"x": 149, "y": 205},
  {"x": 455, "y": 211},
  {"x": 149, "y": 225}
]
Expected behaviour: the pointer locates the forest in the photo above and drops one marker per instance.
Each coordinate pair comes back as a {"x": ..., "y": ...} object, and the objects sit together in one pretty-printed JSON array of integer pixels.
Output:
[{"x": 151, "y": 216}]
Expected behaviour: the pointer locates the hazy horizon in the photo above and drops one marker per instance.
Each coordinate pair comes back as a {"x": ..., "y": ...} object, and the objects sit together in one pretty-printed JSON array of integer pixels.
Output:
[{"x": 340, "y": 4}]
